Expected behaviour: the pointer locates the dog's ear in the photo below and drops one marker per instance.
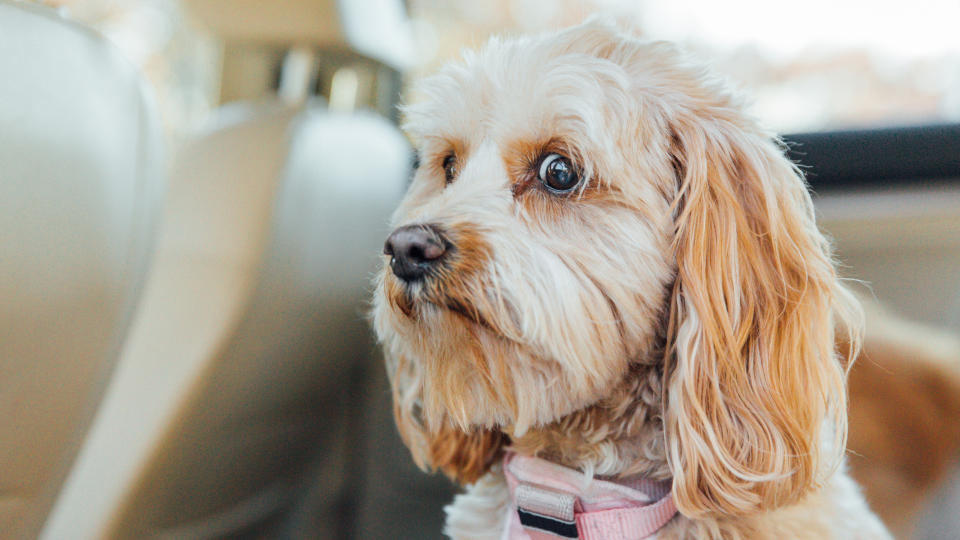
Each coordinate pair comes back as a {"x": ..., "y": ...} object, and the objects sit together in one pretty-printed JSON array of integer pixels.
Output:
[
  {"x": 754, "y": 384},
  {"x": 463, "y": 456}
]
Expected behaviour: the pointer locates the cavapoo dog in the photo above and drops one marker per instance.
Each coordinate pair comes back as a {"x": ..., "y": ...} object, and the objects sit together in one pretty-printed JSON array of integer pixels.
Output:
[{"x": 607, "y": 308}]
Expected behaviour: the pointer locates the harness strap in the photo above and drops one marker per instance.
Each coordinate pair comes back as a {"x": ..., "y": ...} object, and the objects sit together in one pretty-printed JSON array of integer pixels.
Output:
[{"x": 549, "y": 507}]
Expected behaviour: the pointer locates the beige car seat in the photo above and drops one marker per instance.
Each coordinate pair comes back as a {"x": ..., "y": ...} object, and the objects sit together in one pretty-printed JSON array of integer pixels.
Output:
[
  {"x": 80, "y": 186},
  {"x": 232, "y": 400}
]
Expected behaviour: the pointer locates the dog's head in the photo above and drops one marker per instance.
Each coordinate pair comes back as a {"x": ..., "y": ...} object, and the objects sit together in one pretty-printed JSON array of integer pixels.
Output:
[{"x": 582, "y": 198}]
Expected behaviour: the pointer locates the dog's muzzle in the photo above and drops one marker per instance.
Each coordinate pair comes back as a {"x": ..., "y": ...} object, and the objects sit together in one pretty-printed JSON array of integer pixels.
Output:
[{"x": 415, "y": 250}]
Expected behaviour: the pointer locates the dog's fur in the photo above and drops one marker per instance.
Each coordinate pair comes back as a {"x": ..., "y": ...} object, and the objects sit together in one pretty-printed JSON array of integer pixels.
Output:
[{"x": 673, "y": 317}]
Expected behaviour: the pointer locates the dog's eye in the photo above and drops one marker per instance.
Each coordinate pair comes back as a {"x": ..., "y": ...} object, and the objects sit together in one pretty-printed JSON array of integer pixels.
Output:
[
  {"x": 450, "y": 167},
  {"x": 558, "y": 174}
]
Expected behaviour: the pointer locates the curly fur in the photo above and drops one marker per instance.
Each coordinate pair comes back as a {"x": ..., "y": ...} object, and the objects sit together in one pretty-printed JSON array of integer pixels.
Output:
[{"x": 674, "y": 316}]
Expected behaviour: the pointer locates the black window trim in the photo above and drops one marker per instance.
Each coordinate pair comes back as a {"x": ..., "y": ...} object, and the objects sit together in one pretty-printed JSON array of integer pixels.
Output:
[{"x": 877, "y": 158}]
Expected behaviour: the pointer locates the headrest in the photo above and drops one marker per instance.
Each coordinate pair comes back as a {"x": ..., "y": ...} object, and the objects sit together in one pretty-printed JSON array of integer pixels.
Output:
[
  {"x": 378, "y": 29},
  {"x": 80, "y": 183}
]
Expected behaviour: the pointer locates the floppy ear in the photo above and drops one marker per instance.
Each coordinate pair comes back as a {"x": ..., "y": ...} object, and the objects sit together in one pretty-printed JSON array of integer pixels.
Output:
[
  {"x": 754, "y": 384},
  {"x": 463, "y": 456}
]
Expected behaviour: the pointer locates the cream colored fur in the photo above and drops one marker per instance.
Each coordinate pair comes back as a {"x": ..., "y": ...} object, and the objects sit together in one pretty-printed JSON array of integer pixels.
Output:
[{"x": 672, "y": 316}]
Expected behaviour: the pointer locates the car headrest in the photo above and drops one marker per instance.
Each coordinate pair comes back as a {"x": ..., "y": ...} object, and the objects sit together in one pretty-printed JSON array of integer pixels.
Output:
[{"x": 80, "y": 183}]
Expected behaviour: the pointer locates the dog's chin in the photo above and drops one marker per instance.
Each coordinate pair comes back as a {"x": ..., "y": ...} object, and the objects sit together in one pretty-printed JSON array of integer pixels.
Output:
[{"x": 474, "y": 375}]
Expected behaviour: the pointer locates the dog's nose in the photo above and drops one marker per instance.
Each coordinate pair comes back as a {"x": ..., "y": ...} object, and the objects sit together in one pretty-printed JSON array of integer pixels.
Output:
[{"x": 414, "y": 249}]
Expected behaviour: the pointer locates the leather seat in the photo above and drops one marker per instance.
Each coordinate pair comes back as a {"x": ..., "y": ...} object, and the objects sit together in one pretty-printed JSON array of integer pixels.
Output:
[
  {"x": 80, "y": 186},
  {"x": 233, "y": 405}
]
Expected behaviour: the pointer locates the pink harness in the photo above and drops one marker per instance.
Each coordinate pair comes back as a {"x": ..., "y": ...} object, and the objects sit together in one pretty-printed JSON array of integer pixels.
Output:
[{"x": 552, "y": 502}]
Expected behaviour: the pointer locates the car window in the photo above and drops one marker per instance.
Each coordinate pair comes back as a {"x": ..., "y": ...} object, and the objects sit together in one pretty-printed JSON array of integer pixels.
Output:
[{"x": 810, "y": 66}]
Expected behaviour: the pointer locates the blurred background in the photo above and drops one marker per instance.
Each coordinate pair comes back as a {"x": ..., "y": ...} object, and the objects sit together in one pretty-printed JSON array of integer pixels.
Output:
[
  {"x": 825, "y": 65},
  {"x": 215, "y": 177}
]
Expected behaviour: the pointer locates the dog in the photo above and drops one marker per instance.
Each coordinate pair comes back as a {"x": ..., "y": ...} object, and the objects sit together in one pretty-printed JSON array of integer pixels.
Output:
[{"x": 606, "y": 308}]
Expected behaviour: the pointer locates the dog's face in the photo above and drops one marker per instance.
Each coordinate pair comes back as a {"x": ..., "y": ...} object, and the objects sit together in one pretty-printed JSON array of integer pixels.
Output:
[
  {"x": 581, "y": 198},
  {"x": 551, "y": 200}
]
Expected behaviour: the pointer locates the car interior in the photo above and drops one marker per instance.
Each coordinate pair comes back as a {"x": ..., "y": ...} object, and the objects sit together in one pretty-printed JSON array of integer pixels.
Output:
[{"x": 185, "y": 350}]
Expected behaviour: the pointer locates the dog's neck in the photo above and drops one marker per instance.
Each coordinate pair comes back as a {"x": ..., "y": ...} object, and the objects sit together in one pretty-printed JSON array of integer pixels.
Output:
[{"x": 619, "y": 436}]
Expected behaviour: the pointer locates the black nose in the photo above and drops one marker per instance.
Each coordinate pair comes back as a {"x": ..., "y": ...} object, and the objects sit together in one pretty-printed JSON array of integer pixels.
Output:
[{"x": 414, "y": 249}]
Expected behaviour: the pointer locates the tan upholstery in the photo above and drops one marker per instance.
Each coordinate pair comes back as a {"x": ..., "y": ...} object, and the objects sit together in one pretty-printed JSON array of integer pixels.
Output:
[
  {"x": 905, "y": 243},
  {"x": 232, "y": 395},
  {"x": 378, "y": 29},
  {"x": 80, "y": 186}
]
